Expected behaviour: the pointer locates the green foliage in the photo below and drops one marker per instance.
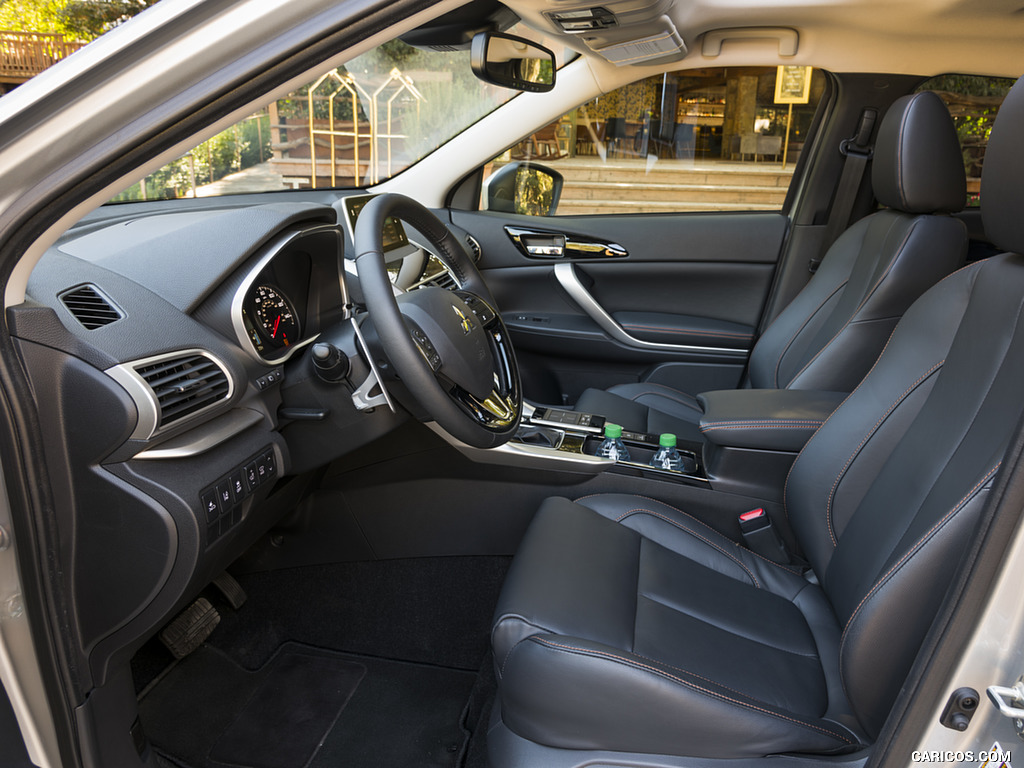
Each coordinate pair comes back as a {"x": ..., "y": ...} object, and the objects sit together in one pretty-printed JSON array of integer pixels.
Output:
[
  {"x": 35, "y": 16},
  {"x": 534, "y": 192},
  {"x": 970, "y": 85},
  {"x": 82, "y": 20},
  {"x": 233, "y": 150}
]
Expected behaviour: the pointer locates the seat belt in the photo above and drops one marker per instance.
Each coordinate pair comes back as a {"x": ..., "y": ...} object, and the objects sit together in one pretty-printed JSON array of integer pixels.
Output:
[{"x": 858, "y": 151}]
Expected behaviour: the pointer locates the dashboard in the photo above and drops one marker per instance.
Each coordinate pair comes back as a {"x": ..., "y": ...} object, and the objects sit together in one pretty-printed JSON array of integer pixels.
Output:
[{"x": 166, "y": 344}]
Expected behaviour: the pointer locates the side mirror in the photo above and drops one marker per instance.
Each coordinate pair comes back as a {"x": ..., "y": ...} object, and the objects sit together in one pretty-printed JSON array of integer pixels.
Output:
[
  {"x": 525, "y": 188},
  {"x": 512, "y": 62}
]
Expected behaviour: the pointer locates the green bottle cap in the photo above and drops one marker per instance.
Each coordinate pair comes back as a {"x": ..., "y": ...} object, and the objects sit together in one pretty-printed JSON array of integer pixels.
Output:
[
  {"x": 614, "y": 431},
  {"x": 667, "y": 440}
]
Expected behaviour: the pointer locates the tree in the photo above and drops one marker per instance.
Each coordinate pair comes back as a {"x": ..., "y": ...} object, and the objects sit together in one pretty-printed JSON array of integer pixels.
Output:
[{"x": 82, "y": 20}]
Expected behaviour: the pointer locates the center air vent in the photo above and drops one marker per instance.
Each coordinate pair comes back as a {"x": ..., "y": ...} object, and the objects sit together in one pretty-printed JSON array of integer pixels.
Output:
[
  {"x": 170, "y": 388},
  {"x": 90, "y": 307},
  {"x": 474, "y": 247},
  {"x": 436, "y": 273}
]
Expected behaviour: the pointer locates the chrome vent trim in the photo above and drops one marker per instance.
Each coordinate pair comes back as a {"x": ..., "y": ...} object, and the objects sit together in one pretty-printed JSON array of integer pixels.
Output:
[
  {"x": 90, "y": 307},
  {"x": 437, "y": 274},
  {"x": 474, "y": 247},
  {"x": 174, "y": 388}
]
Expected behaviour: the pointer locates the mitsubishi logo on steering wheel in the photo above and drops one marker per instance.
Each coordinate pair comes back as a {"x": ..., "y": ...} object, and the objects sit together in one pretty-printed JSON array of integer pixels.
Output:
[{"x": 464, "y": 321}]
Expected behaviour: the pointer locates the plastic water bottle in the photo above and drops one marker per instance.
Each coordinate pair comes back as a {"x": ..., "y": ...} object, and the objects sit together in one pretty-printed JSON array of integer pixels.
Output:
[
  {"x": 667, "y": 457},
  {"x": 613, "y": 447}
]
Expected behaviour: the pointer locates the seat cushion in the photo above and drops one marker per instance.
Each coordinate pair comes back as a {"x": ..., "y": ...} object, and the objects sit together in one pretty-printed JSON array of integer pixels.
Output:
[
  {"x": 646, "y": 407},
  {"x": 627, "y": 625}
]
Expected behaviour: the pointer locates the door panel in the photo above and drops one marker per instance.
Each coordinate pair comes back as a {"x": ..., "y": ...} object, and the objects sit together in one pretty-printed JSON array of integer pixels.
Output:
[{"x": 681, "y": 308}]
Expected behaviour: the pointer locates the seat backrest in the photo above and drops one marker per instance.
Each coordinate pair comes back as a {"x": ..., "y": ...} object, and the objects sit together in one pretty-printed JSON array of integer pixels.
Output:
[
  {"x": 885, "y": 496},
  {"x": 831, "y": 333}
]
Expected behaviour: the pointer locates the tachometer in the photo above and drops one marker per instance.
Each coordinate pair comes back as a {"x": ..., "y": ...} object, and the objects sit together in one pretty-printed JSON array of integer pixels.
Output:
[{"x": 275, "y": 316}]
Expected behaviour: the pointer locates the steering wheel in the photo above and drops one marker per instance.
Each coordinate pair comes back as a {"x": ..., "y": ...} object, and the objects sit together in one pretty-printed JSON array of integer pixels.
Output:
[{"x": 450, "y": 348}]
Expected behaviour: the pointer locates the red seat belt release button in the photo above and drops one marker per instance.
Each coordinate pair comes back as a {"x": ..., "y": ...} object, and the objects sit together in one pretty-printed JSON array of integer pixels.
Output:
[
  {"x": 761, "y": 537},
  {"x": 753, "y": 514}
]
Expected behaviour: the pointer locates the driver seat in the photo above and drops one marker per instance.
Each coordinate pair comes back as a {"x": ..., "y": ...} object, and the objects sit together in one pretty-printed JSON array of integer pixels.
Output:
[
  {"x": 626, "y": 625},
  {"x": 829, "y": 336}
]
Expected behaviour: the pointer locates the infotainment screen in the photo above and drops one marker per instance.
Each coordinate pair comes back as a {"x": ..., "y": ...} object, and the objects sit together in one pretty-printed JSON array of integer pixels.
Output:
[{"x": 393, "y": 234}]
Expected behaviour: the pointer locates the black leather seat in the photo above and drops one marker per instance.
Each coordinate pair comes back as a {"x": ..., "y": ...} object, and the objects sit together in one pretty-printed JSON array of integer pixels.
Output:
[
  {"x": 627, "y": 625},
  {"x": 830, "y": 334}
]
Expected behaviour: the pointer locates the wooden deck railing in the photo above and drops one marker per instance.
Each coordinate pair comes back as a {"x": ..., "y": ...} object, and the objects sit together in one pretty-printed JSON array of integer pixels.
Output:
[{"x": 25, "y": 54}]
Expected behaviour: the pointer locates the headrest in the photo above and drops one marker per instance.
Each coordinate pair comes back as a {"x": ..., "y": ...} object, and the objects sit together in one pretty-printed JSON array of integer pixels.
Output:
[
  {"x": 918, "y": 166},
  {"x": 1002, "y": 175}
]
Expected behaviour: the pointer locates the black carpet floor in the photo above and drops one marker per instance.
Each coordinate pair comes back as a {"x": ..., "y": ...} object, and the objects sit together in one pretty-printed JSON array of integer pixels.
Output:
[
  {"x": 307, "y": 707},
  {"x": 364, "y": 664}
]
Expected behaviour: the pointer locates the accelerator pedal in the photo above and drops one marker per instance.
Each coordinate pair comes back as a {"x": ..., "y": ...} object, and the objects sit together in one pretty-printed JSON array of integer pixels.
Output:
[
  {"x": 231, "y": 590},
  {"x": 190, "y": 628}
]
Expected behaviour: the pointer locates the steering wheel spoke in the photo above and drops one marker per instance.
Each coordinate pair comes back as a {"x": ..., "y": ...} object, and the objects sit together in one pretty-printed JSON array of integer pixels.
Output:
[{"x": 450, "y": 348}]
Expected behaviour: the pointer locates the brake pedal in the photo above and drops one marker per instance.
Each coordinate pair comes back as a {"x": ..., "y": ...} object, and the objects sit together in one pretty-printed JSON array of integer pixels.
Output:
[
  {"x": 190, "y": 628},
  {"x": 231, "y": 590}
]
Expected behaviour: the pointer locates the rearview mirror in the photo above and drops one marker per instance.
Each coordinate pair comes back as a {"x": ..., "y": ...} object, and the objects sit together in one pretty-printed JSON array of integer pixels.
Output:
[{"x": 512, "y": 62}]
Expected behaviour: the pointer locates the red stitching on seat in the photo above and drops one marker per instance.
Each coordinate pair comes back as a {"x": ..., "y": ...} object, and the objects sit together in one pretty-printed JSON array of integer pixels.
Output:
[
  {"x": 688, "y": 684},
  {"x": 868, "y": 436},
  {"x": 867, "y": 296},
  {"x": 756, "y": 425},
  {"x": 798, "y": 331},
  {"x": 918, "y": 545}
]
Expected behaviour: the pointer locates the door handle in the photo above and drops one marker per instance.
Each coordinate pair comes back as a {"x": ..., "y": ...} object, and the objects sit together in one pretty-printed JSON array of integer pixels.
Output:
[{"x": 545, "y": 244}]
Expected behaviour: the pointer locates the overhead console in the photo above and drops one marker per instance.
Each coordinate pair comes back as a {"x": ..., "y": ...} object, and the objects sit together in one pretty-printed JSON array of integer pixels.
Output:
[{"x": 622, "y": 31}]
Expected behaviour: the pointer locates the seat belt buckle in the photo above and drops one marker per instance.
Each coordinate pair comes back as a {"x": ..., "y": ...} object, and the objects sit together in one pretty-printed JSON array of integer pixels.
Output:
[{"x": 760, "y": 536}]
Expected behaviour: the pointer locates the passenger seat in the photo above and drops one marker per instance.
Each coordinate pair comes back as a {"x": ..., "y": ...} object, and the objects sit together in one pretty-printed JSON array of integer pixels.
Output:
[{"x": 830, "y": 335}]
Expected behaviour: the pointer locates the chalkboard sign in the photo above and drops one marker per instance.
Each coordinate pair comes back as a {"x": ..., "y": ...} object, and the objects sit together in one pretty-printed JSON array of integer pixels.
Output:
[{"x": 793, "y": 85}]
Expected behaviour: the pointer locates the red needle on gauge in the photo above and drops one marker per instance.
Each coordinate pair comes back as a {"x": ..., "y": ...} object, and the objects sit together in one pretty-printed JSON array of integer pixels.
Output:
[{"x": 277, "y": 322}]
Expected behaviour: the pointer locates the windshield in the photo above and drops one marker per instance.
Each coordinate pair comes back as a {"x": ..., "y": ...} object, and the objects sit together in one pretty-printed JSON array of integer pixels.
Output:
[{"x": 352, "y": 127}]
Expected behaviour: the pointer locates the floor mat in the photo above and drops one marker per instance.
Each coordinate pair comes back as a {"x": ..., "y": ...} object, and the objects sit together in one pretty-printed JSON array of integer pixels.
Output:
[{"x": 306, "y": 707}]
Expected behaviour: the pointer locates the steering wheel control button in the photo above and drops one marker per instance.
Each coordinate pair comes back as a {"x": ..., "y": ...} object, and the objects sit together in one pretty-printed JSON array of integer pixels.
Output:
[
  {"x": 480, "y": 308},
  {"x": 427, "y": 348}
]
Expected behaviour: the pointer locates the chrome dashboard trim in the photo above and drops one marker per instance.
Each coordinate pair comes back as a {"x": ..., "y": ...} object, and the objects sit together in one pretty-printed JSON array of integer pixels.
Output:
[
  {"x": 272, "y": 251},
  {"x": 205, "y": 437},
  {"x": 148, "y": 423}
]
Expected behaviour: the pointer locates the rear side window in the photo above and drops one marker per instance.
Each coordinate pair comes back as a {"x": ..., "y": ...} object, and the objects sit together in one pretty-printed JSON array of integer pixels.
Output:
[
  {"x": 974, "y": 102},
  {"x": 714, "y": 139}
]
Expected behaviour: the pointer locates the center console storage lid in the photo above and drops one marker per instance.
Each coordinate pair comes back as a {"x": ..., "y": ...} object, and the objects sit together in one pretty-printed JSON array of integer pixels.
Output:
[{"x": 766, "y": 419}]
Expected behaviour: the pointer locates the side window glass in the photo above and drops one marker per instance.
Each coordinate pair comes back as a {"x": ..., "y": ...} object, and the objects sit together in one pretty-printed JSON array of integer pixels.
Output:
[
  {"x": 719, "y": 139},
  {"x": 973, "y": 101}
]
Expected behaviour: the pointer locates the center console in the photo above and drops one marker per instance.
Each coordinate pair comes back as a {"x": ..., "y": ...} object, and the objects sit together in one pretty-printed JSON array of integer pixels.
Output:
[
  {"x": 570, "y": 435},
  {"x": 751, "y": 437}
]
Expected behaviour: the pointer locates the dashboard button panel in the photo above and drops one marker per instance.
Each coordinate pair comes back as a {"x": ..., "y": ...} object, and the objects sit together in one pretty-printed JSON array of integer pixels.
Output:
[{"x": 222, "y": 501}]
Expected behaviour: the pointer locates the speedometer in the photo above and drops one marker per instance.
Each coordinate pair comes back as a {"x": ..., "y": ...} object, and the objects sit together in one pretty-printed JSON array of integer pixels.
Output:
[{"x": 275, "y": 316}]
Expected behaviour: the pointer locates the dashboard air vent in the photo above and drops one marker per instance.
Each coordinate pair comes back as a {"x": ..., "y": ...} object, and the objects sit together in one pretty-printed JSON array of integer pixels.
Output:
[
  {"x": 90, "y": 307},
  {"x": 474, "y": 247},
  {"x": 436, "y": 273},
  {"x": 444, "y": 279},
  {"x": 184, "y": 385}
]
